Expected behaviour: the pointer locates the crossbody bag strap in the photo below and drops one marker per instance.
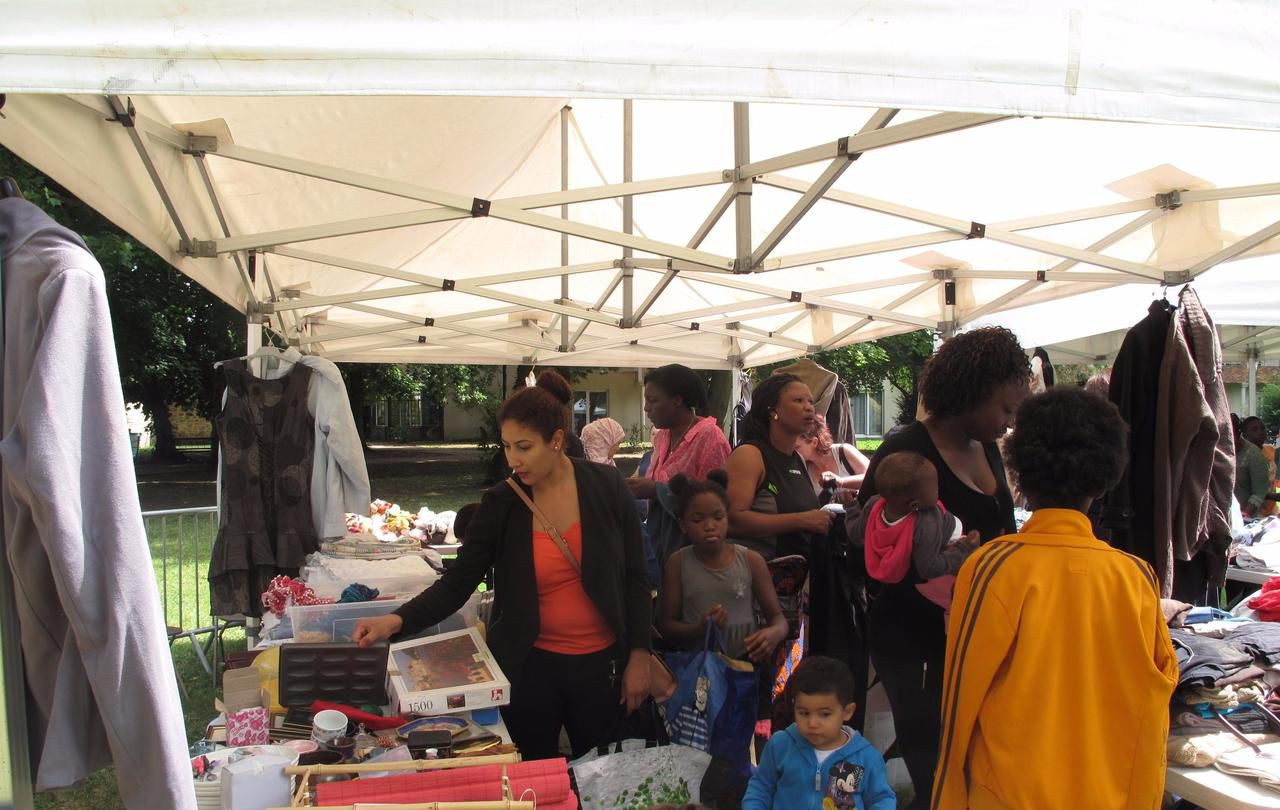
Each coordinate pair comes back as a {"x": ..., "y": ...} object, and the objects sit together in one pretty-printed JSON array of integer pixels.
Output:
[{"x": 547, "y": 526}]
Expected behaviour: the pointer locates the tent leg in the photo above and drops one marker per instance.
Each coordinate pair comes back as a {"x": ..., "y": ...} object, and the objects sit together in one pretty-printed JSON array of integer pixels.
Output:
[
  {"x": 1251, "y": 406},
  {"x": 742, "y": 202},
  {"x": 628, "y": 220},
  {"x": 564, "y": 214}
]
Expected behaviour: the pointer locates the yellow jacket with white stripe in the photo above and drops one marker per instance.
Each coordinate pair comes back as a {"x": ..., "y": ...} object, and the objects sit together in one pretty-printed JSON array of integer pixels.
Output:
[{"x": 1058, "y": 676}]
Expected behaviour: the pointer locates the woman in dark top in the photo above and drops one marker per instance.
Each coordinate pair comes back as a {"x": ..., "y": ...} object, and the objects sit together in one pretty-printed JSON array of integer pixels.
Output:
[
  {"x": 772, "y": 506},
  {"x": 571, "y": 636},
  {"x": 972, "y": 388}
]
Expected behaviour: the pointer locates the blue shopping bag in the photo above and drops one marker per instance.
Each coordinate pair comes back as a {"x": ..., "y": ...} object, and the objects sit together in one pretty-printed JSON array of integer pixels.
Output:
[{"x": 713, "y": 708}]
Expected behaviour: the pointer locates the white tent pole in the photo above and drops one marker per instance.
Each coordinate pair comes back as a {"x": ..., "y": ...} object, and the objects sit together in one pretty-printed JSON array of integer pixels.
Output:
[
  {"x": 1231, "y": 251},
  {"x": 808, "y": 198},
  {"x": 1246, "y": 337},
  {"x": 863, "y": 142},
  {"x": 897, "y": 302},
  {"x": 628, "y": 218},
  {"x": 600, "y": 302},
  {"x": 127, "y": 117},
  {"x": 1253, "y": 381},
  {"x": 742, "y": 202},
  {"x": 564, "y": 214},
  {"x": 971, "y": 228},
  {"x": 222, "y": 222}
]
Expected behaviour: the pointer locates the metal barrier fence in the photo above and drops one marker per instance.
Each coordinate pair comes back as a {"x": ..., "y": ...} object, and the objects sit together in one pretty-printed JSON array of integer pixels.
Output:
[{"x": 181, "y": 542}]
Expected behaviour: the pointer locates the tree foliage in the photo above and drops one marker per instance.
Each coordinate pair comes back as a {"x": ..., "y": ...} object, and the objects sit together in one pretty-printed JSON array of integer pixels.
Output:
[
  {"x": 169, "y": 331},
  {"x": 1269, "y": 408},
  {"x": 865, "y": 366}
]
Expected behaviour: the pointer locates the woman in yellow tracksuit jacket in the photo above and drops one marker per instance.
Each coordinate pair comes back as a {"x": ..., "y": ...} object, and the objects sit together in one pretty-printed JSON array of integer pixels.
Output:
[{"x": 1059, "y": 667}]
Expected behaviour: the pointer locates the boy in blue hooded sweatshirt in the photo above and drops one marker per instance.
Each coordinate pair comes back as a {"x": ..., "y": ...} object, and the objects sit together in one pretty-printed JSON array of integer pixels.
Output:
[{"x": 819, "y": 763}]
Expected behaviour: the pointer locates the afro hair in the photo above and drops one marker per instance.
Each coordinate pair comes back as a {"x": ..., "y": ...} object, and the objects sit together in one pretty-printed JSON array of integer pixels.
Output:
[
  {"x": 1067, "y": 446},
  {"x": 967, "y": 369}
]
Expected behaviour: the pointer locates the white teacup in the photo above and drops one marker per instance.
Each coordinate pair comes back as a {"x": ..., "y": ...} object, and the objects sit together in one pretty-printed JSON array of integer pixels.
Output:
[{"x": 327, "y": 726}]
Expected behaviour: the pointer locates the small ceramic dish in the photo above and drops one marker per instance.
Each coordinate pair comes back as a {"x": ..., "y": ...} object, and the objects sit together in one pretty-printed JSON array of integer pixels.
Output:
[
  {"x": 445, "y": 722},
  {"x": 302, "y": 746}
]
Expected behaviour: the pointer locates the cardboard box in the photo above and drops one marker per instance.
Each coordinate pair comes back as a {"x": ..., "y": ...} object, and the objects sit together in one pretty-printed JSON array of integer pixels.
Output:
[{"x": 451, "y": 672}]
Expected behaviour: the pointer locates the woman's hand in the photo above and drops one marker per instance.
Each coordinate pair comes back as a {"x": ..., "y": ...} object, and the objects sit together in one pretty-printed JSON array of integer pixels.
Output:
[
  {"x": 815, "y": 521},
  {"x": 635, "y": 680},
  {"x": 370, "y": 631},
  {"x": 642, "y": 487},
  {"x": 761, "y": 644}
]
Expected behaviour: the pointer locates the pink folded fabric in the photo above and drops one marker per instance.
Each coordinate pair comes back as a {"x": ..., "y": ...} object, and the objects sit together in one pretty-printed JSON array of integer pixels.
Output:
[{"x": 546, "y": 779}]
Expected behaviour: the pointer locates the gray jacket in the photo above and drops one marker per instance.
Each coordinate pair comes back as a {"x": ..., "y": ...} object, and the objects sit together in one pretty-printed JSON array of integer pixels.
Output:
[{"x": 99, "y": 677}]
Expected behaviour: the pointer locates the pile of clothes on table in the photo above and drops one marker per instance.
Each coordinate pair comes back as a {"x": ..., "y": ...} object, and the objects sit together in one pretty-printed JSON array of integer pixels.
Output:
[
  {"x": 1228, "y": 672},
  {"x": 1256, "y": 546}
]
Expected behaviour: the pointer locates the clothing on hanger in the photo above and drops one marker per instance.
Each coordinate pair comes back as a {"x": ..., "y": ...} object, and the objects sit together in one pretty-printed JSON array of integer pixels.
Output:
[
  {"x": 339, "y": 476},
  {"x": 100, "y": 680}
]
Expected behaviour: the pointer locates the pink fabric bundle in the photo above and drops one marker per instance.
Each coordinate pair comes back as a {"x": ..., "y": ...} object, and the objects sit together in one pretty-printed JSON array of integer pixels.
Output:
[
  {"x": 888, "y": 548},
  {"x": 546, "y": 780}
]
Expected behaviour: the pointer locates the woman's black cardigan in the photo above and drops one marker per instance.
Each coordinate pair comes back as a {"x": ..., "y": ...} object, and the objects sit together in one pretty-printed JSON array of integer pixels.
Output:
[{"x": 500, "y": 536}]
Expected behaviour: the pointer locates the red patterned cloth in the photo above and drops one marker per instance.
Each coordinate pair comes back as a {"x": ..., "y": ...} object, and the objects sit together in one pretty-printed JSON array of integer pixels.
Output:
[
  {"x": 284, "y": 591},
  {"x": 703, "y": 449},
  {"x": 546, "y": 781}
]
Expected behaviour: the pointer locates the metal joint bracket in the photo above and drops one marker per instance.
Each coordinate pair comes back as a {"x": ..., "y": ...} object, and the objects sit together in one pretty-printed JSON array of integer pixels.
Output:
[
  {"x": 479, "y": 207},
  {"x": 796, "y": 295},
  {"x": 808, "y": 305},
  {"x": 1041, "y": 275},
  {"x": 944, "y": 274},
  {"x": 842, "y": 146},
  {"x": 198, "y": 145},
  {"x": 634, "y": 343},
  {"x": 446, "y": 284},
  {"x": 199, "y": 248},
  {"x": 294, "y": 341},
  {"x": 563, "y": 349},
  {"x": 730, "y": 175},
  {"x": 422, "y": 339},
  {"x": 254, "y": 309},
  {"x": 949, "y": 293},
  {"x": 694, "y": 327},
  {"x": 976, "y": 230},
  {"x": 126, "y": 118},
  {"x": 740, "y": 266},
  {"x": 814, "y": 348},
  {"x": 1169, "y": 200},
  {"x": 1172, "y": 277},
  {"x": 428, "y": 321}
]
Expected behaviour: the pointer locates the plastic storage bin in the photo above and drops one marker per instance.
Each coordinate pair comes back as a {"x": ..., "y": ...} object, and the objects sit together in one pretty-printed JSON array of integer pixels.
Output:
[{"x": 335, "y": 622}]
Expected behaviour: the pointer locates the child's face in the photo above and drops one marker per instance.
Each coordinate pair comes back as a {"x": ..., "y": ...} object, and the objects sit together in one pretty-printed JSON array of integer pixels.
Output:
[
  {"x": 706, "y": 520},
  {"x": 819, "y": 719}
]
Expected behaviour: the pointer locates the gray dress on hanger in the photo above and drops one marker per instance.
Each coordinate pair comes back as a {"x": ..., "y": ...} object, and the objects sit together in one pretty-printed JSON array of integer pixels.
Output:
[{"x": 267, "y": 438}]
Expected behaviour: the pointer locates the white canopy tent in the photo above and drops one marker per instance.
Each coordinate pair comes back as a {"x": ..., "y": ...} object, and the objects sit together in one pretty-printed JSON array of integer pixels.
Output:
[
  {"x": 456, "y": 228},
  {"x": 406, "y": 181}
]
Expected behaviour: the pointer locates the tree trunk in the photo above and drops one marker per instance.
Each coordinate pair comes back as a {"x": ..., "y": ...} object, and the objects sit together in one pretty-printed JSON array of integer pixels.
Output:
[{"x": 156, "y": 407}]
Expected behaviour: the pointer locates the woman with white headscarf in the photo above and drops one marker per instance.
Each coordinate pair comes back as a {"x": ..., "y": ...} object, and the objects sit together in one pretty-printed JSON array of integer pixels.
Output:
[{"x": 601, "y": 439}]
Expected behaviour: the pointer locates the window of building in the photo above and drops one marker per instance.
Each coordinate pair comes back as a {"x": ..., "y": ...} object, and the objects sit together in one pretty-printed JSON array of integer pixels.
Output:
[
  {"x": 868, "y": 413},
  {"x": 589, "y": 406}
]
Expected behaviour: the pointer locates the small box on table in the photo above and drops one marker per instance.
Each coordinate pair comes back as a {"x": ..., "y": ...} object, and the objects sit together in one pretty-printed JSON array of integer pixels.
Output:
[{"x": 451, "y": 672}]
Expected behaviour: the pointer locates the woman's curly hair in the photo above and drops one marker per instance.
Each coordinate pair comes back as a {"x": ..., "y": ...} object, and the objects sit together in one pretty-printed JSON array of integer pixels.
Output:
[
  {"x": 1066, "y": 445},
  {"x": 967, "y": 369}
]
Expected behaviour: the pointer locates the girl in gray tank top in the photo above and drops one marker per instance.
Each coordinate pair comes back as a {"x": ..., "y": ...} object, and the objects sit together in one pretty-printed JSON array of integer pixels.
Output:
[{"x": 713, "y": 580}]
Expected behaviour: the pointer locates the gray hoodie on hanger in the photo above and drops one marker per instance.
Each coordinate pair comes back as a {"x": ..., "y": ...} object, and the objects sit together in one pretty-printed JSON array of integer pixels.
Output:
[{"x": 99, "y": 677}]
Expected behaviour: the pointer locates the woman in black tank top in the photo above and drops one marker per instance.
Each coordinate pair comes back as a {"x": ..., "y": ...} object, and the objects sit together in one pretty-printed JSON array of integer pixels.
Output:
[
  {"x": 972, "y": 387},
  {"x": 772, "y": 506}
]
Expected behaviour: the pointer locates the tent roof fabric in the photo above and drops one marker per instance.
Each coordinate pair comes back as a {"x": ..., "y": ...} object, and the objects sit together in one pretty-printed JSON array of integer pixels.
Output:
[
  {"x": 468, "y": 228},
  {"x": 1180, "y": 61}
]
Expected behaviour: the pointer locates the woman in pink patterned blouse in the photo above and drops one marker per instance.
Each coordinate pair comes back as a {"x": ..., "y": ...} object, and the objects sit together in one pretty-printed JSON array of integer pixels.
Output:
[{"x": 683, "y": 441}]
